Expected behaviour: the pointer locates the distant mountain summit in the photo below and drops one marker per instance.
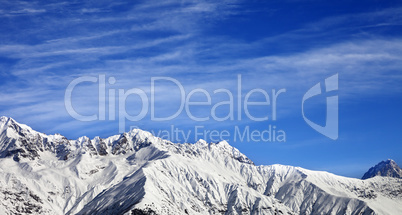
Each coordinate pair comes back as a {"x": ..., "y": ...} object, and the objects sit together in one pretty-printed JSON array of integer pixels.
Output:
[{"x": 387, "y": 168}]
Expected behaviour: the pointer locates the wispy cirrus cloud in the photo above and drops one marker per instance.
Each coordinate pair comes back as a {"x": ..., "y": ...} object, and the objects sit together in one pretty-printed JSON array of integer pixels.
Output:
[{"x": 134, "y": 42}]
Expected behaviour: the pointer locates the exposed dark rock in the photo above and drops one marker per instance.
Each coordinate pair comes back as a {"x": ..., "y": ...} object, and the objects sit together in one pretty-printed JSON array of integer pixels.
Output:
[{"x": 386, "y": 168}]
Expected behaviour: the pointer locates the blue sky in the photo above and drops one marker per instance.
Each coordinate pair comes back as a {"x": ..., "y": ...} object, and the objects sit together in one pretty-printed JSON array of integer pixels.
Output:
[{"x": 292, "y": 45}]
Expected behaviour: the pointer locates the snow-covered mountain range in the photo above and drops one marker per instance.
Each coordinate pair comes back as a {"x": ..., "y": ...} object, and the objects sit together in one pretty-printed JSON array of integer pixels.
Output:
[{"x": 137, "y": 173}]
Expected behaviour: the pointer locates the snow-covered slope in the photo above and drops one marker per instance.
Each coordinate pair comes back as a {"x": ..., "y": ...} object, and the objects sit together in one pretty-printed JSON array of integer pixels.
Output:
[
  {"x": 387, "y": 168},
  {"x": 137, "y": 173}
]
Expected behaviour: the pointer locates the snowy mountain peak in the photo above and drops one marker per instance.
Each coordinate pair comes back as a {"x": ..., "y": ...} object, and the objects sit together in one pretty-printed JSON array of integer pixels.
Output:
[
  {"x": 4, "y": 118},
  {"x": 224, "y": 144},
  {"x": 10, "y": 121},
  {"x": 201, "y": 143},
  {"x": 6, "y": 122},
  {"x": 388, "y": 168},
  {"x": 392, "y": 162}
]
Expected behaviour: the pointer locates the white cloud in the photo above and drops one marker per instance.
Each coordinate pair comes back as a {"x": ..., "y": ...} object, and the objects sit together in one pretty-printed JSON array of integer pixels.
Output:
[{"x": 177, "y": 48}]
